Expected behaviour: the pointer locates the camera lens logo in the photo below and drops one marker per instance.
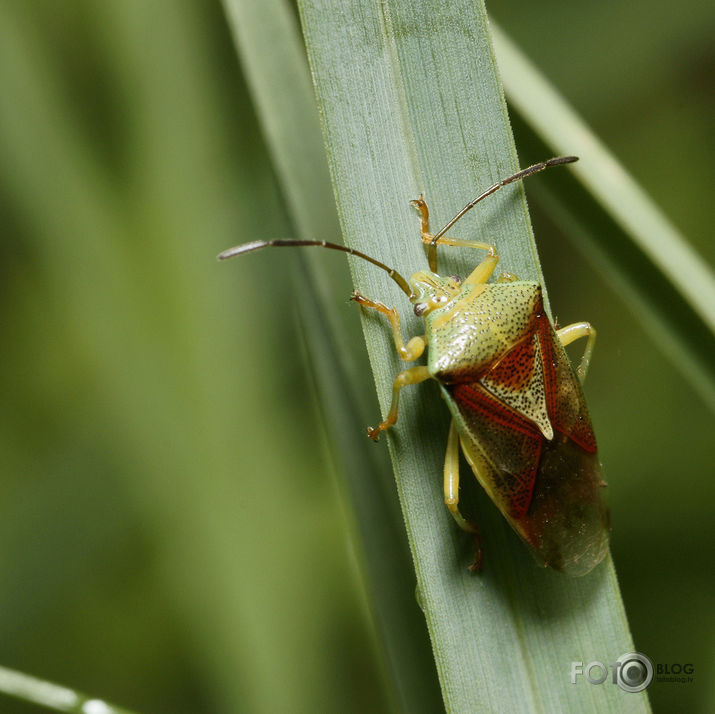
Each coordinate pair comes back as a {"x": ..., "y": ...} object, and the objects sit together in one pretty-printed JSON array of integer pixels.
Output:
[{"x": 634, "y": 672}]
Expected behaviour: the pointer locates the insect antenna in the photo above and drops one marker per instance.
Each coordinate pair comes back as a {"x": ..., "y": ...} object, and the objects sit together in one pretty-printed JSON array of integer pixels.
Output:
[
  {"x": 284, "y": 242},
  {"x": 432, "y": 255}
]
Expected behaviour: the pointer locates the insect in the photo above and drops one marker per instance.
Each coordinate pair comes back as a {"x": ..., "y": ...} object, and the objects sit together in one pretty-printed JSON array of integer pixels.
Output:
[{"x": 518, "y": 410}]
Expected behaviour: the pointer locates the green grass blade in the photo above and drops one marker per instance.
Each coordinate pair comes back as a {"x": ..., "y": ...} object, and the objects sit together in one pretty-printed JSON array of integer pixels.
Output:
[
  {"x": 411, "y": 102},
  {"x": 273, "y": 59},
  {"x": 665, "y": 281}
]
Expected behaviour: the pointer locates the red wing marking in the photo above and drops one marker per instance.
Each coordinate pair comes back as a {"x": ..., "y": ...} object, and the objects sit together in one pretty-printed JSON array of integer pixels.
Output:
[
  {"x": 564, "y": 399},
  {"x": 514, "y": 372},
  {"x": 493, "y": 409},
  {"x": 510, "y": 441}
]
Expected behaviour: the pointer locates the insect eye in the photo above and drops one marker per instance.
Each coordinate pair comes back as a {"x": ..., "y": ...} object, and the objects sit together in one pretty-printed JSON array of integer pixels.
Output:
[
  {"x": 457, "y": 279},
  {"x": 420, "y": 308}
]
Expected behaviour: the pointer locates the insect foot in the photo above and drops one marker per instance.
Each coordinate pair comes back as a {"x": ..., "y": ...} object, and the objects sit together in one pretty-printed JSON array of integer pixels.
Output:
[
  {"x": 373, "y": 433},
  {"x": 476, "y": 564}
]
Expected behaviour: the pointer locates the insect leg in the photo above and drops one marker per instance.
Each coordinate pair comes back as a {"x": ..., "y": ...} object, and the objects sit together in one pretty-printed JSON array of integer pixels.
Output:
[
  {"x": 481, "y": 273},
  {"x": 451, "y": 492},
  {"x": 413, "y": 375},
  {"x": 574, "y": 332},
  {"x": 507, "y": 278},
  {"x": 421, "y": 206},
  {"x": 451, "y": 480},
  {"x": 414, "y": 348}
]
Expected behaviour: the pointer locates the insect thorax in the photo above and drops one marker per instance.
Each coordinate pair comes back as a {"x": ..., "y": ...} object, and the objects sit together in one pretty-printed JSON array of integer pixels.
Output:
[{"x": 480, "y": 324}]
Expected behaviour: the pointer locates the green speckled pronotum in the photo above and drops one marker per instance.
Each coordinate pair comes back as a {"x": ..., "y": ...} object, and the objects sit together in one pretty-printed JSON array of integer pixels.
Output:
[{"x": 517, "y": 408}]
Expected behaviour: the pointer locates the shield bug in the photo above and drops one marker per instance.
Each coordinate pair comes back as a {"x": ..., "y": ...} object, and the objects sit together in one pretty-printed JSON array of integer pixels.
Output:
[{"x": 518, "y": 410}]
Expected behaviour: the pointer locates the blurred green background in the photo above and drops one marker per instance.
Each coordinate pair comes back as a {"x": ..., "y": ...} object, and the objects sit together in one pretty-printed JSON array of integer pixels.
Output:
[{"x": 171, "y": 533}]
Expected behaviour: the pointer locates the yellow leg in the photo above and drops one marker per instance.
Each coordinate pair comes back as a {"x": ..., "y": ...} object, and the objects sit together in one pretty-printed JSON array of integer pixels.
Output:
[
  {"x": 414, "y": 348},
  {"x": 507, "y": 278},
  {"x": 576, "y": 331},
  {"x": 451, "y": 493},
  {"x": 413, "y": 375},
  {"x": 481, "y": 273},
  {"x": 421, "y": 206},
  {"x": 484, "y": 270}
]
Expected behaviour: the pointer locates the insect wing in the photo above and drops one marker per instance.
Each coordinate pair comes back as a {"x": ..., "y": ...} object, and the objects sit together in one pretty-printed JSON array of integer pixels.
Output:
[{"x": 550, "y": 490}]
